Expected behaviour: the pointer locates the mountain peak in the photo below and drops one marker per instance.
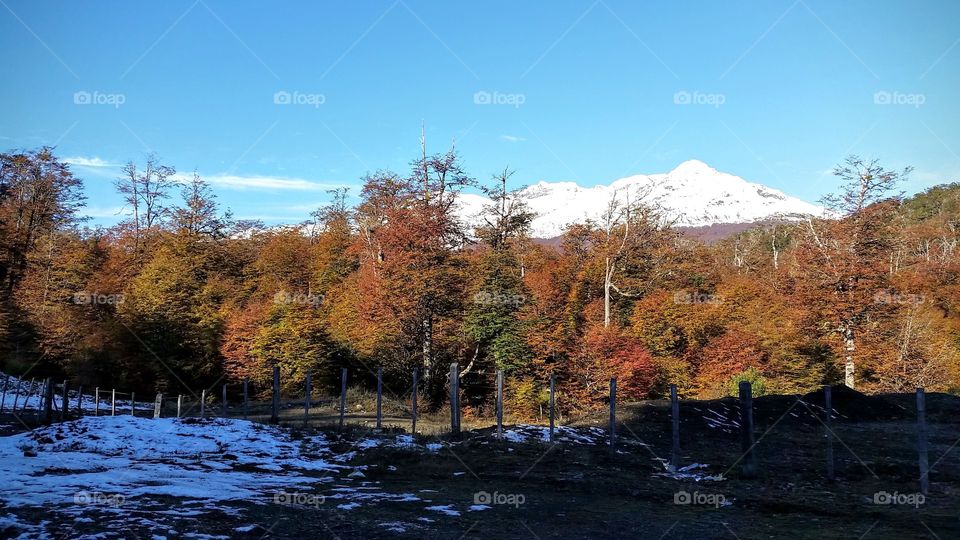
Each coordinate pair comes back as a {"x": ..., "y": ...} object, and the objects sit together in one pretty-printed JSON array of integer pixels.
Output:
[
  {"x": 692, "y": 195},
  {"x": 692, "y": 166}
]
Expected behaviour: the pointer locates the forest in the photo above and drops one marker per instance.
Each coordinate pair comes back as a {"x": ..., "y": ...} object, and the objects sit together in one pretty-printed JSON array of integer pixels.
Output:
[{"x": 179, "y": 294}]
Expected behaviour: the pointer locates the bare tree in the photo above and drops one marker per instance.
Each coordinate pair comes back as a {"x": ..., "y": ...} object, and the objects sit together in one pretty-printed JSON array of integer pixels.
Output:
[
  {"x": 145, "y": 192},
  {"x": 508, "y": 217},
  {"x": 863, "y": 183},
  {"x": 629, "y": 232},
  {"x": 199, "y": 215}
]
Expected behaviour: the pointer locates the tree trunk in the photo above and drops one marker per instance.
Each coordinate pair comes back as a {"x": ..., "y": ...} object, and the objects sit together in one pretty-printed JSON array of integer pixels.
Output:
[
  {"x": 849, "y": 348},
  {"x": 428, "y": 368},
  {"x": 607, "y": 283}
]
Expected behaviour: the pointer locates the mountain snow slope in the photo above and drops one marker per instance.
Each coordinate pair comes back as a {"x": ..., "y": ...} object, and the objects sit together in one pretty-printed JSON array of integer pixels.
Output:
[{"x": 692, "y": 195}]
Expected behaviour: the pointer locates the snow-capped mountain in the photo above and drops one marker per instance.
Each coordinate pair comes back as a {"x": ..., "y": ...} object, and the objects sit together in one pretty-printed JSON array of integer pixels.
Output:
[{"x": 693, "y": 195}]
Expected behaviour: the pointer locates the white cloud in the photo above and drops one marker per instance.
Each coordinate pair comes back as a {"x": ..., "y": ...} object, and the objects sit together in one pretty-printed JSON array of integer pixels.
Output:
[
  {"x": 91, "y": 162},
  {"x": 101, "y": 167},
  {"x": 512, "y": 138},
  {"x": 263, "y": 182}
]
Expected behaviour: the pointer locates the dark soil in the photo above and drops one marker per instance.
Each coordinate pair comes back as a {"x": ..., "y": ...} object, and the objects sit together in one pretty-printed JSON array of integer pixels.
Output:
[{"x": 575, "y": 490}]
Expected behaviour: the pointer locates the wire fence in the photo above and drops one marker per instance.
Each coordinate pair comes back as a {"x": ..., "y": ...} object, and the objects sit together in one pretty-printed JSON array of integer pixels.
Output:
[{"x": 43, "y": 402}]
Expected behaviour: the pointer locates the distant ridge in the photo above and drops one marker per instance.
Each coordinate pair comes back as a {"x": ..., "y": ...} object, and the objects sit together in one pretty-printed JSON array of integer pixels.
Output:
[{"x": 693, "y": 194}]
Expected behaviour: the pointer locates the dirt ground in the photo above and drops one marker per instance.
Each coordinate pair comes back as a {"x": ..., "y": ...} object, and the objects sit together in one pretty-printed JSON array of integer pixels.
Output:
[{"x": 539, "y": 489}]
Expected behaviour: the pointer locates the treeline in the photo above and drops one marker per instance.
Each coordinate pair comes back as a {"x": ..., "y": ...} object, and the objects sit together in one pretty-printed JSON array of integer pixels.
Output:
[{"x": 180, "y": 294}]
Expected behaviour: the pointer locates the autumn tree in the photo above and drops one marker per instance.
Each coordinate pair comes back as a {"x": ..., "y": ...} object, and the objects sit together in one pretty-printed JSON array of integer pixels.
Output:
[
  {"x": 199, "y": 215},
  {"x": 627, "y": 237},
  {"x": 842, "y": 265},
  {"x": 491, "y": 319}
]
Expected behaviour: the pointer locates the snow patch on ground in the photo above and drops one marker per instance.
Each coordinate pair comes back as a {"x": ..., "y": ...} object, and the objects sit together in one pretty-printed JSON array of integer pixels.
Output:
[
  {"x": 110, "y": 467},
  {"x": 522, "y": 433},
  {"x": 444, "y": 509},
  {"x": 689, "y": 472}
]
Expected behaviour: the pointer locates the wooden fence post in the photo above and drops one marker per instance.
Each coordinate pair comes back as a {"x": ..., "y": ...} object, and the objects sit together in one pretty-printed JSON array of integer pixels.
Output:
[
  {"x": 306, "y": 400},
  {"x": 343, "y": 394},
  {"x": 65, "y": 401},
  {"x": 454, "y": 399},
  {"x": 179, "y": 404},
  {"x": 828, "y": 421},
  {"x": 499, "y": 403},
  {"x": 158, "y": 405},
  {"x": 39, "y": 400},
  {"x": 675, "y": 427},
  {"x": 922, "y": 445},
  {"x": 47, "y": 399},
  {"x": 224, "y": 401},
  {"x": 749, "y": 468},
  {"x": 203, "y": 403},
  {"x": 80, "y": 401},
  {"x": 113, "y": 402},
  {"x": 552, "y": 403},
  {"x": 613, "y": 412},
  {"x": 96, "y": 399},
  {"x": 133, "y": 403},
  {"x": 26, "y": 397},
  {"x": 3, "y": 398},
  {"x": 16, "y": 395},
  {"x": 48, "y": 402},
  {"x": 379, "y": 397},
  {"x": 275, "y": 403},
  {"x": 246, "y": 397},
  {"x": 413, "y": 401}
]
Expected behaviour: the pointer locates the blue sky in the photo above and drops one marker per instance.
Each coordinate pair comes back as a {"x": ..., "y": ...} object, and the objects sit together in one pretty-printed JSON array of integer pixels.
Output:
[{"x": 775, "y": 91}]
